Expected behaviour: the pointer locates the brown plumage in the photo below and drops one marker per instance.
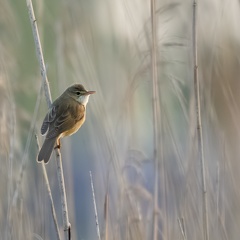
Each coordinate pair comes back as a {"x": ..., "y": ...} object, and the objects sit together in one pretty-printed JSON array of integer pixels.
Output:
[{"x": 65, "y": 117}]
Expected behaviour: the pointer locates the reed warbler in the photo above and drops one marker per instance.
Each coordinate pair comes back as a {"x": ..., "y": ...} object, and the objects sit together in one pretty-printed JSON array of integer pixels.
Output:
[{"x": 65, "y": 117}]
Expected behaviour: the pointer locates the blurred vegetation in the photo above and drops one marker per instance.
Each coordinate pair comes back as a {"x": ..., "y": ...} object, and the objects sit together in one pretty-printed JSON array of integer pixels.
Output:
[{"x": 106, "y": 46}]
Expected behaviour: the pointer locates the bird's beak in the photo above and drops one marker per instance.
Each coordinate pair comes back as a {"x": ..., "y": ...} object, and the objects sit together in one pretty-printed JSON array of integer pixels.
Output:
[{"x": 89, "y": 92}]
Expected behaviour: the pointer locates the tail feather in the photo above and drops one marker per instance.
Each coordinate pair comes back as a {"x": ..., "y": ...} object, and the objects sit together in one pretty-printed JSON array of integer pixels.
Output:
[{"x": 46, "y": 150}]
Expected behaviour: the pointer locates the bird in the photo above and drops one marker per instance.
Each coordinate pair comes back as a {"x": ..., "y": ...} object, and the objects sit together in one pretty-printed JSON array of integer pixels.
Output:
[{"x": 65, "y": 116}]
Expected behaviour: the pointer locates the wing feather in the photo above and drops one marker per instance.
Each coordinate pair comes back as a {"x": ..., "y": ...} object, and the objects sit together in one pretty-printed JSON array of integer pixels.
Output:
[
  {"x": 49, "y": 118},
  {"x": 61, "y": 118}
]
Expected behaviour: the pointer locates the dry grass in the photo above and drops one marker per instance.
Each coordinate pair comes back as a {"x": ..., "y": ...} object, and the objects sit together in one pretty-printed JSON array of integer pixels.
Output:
[{"x": 107, "y": 47}]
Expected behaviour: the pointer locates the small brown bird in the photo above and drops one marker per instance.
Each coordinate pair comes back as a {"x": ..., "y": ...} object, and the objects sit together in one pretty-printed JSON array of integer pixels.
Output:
[{"x": 66, "y": 116}]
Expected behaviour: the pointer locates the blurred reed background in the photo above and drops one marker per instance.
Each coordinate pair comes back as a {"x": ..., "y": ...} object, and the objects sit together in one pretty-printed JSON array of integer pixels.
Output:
[{"x": 106, "y": 46}]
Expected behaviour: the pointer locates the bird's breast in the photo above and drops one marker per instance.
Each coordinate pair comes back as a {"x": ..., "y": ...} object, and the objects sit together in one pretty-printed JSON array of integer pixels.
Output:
[
  {"x": 74, "y": 129},
  {"x": 78, "y": 114}
]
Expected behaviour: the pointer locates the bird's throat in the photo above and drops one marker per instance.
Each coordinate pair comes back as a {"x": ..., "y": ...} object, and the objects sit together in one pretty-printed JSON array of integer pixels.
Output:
[{"x": 83, "y": 100}]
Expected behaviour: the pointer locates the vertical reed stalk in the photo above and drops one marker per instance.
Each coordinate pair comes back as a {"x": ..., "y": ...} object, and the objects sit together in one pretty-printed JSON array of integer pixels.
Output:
[
  {"x": 49, "y": 194},
  {"x": 106, "y": 215},
  {"x": 10, "y": 166},
  {"x": 95, "y": 207},
  {"x": 199, "y": 124},
  {"x": 39, "y": 53},
  {"x": 156, "y": 111},
  {"x": 61, "y": 182},
  {"x": 66, "y": 224},
  {"x": 182, "y": 228}
]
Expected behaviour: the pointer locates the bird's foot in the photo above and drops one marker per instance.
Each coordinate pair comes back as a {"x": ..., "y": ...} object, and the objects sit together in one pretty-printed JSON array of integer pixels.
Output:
[{"x": 58, "y": 145}]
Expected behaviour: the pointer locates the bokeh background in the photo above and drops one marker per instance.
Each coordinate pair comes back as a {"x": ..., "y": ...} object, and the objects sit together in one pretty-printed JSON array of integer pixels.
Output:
[{"x": 106, "y": 46}]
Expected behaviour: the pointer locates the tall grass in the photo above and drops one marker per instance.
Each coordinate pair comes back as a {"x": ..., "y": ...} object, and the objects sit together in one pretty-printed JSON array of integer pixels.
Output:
[
  {"x": 199, "y": 122},
  {"x": 107, "y": 47}
]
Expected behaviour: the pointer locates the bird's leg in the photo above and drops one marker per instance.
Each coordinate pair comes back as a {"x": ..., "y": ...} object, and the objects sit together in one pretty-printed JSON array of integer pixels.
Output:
[{"x": 58, "y": 144}]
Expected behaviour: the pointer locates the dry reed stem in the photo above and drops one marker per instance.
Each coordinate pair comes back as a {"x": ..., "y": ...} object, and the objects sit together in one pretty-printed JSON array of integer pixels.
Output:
[
  {"x": 95, "y": 206},
  {"x": 49, "y": 194},
  {"x": 66, "y": 224},
  {"x": 10, "y": 163},
  {"x": 182, "y": 228},
  {"x": 155, "y": 105},
  {"x": 106, "y": 215},
  {"x": 39, "y": 53},
  {"x": 199, "y": 124}
]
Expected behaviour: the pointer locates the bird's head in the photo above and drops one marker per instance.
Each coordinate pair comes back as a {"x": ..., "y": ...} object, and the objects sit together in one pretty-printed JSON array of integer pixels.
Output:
[{"x": 79, "y": 93}]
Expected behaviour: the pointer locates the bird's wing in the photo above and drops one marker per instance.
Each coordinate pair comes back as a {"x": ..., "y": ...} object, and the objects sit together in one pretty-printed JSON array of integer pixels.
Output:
[
  {"x": 49, "y": 118},
  {"x": 65, "y": 121}
]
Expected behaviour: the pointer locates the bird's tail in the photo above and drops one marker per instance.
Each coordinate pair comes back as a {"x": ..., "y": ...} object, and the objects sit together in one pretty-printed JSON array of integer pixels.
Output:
[{"x": 46, "y": 150}]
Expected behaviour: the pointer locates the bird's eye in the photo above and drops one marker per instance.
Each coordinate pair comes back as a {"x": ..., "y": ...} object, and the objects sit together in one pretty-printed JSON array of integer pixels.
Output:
[{"x": 78, "y": 93}]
